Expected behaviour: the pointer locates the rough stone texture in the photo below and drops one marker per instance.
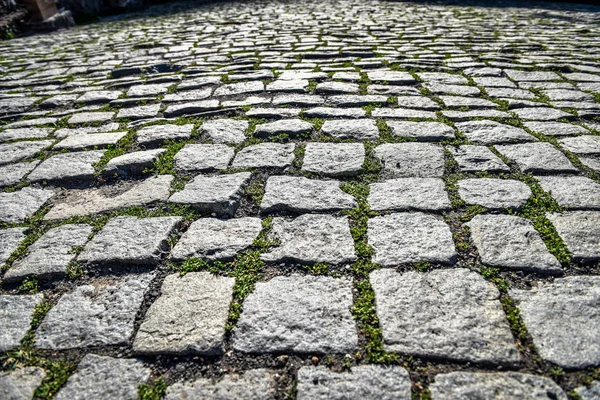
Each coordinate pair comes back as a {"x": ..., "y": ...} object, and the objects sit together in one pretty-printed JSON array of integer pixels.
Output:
[
  {"x": 555, "y": 128},
  {"x": 156, "y": 134},
  {"x": 506, "y": 386},
  {"x": 239, "y": 88},
  {"x": 586, "y": 144},
  {"x": 311, "y": 239},
  {"x": 24, "y": 133},
  {"x": 405, "y": 194},
  {"x": 97, "y": 314},
  {"x": 21, "y": 383},
  {"x": 265, "y": 155},
  {"x": 219, "y": 194},
  {"x": 477, "y": 158},
  {"x": 299, "y": 194},
  {"x": 13, "y": 173},
  {"x": 16, "y": 313},
  {"x": 354, "y": 129},
  {"x": 334, "y": 159},
  {"x": 422, "y": 131},
  {"x": 89, "y": 117},
  {"x": 297, "y": 314},
  {"x": 451, "y": 314},
  {"x": 203, "y": 157},
  {"x": 368, "y": 382},
  {"x": 67, "y": 167},
  {"x": 225, "y": 130},
  {"x": 98, "y": 378},
  {"x": 410, "y": 237},
  {"x": 494, "y": 193},
  {"x": 405, "y": 160},
  {"x": 188, "y": 318},
  {"x": 18, "y": 151},
  {"x": 254, "y": 384},
  {"x": 95, "y": 201},
  {"x": 580, "y": 230},
  {"x": 147, "y": 90},
  {"x": 80, "y": 142},
  {"x": 541, "y": 113},
  {"x": 131, "y": 241},
  {"x": 10, "y": 239},
  {"x": 216, "y": 239},
  {"x": 562, "y": 318},
  {"x": 291, "y": 127},
  {"x": 491, "y": 132},
  {"x": 50, "y": 255},
  {"x": 134, "y": 163},
  {"x": 331, "y": 112},
  {"x": 537, "y": 157},
  {"x": 591, "y": 392},
  {"x": 22, "y": 204},
  {"x": 573, "y": 191},
  {"x": 511, "y": 242},
  {"x": 139, "y": 112},
  {"x": 191, "y": 108}
]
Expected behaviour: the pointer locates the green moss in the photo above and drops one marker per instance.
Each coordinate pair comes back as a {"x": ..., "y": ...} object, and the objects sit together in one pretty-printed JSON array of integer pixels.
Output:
[{"x": 154, "y": 391}]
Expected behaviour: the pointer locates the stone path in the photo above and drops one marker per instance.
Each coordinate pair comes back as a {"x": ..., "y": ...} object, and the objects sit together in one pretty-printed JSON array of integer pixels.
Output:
[{"x": 311, "y": 200}]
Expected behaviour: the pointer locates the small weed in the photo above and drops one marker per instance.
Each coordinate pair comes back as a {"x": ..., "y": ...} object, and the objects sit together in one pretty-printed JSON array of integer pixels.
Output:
[{"x": 154, "y": 391}]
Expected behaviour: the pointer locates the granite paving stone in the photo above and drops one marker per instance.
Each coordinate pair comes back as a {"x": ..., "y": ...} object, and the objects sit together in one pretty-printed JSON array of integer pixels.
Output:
[
  {"x": 98, "y": 96},
  {"x": 66, "y": 167},
  {"x": 148, "y": 90},
  {"x": 334, "y": 159},
  {"x": 590, "y": 392},
  {"x": 450, "y": 314},
  {"x": 369, "y": 382},
  {"x": 407, "y": 194},
  {"x": 477, "y": 159},
  {"x": 139, "y": 112},
  {"x": 492, "y": 132},
  {"x": 18, "y": 206},
  {"x": 391, "y": 77},
  {"x": 101, "y": 377},
  {"x": 410, "y": 237},
  {"x": 265, "y": 155},
  {"x": 402, "y": 113},
  {"x": 239, "y": 88},
  {"x": 511, "y": 242},
  {"x": 157, "y": 134},
  {"x": 494, "y": 193},
  {"x": 501, "y": 385},
  {"x": 332, "y": 112},
  {"x": 254, "y": 384},
  {"x": 225, "y": 130},
  {"x": 576, "y": 192},
  {"x": 422, "y": 131},
  {"x": 16, "y": 313},
  {"x": 21, "y": 383},
  {"x": 293, "y": 127},
  {"x": 203, "y": 157},
  {"x": 217, "y": 239},
  {"x": 96, "y": 314},
  {"x": 188, "y": 318},
  {"x": 89, "y": 117},
  {"x": 51, "y": 254},
  {"x": 190, "y": 108},
  {"x": 580, "y": 230},
  {"x": 404, "y": 160},
  {"x": 586, "y": 144},
  {"x": 311, "y": 239},
  {"x": 218, "y": 194},
  {"x": 537, "y": 157},
  {"x": 551, "y": 128},
  {"x": 298, "y": 314},
  {"x": 100, "y": 200},
  {"x": 134, "y": 163},
  {"x": 24, "y": 133},
  {"x": 80, "y": 142},
  {"x": 540, "y": 113},
  {"x": 299, "y": 194},
  {"x": 563, "y": 320},
  {"x": 10, "y": 239},
  {"x": 131, "y": 241},
  {"x": 12, "y": 152},
  {"x": 336, "y": 88},
  {"x": 354, "y": 129}
]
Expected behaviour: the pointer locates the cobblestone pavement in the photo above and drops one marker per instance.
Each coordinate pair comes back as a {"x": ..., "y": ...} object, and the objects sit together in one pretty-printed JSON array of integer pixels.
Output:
[{"x": 312, "y": 200}]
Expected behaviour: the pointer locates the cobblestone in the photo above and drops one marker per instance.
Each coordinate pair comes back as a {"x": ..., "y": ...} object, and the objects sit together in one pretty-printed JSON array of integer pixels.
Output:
[
  {"x": 406, "y": 194},
  {"x": 537, "y": 157},
  {"x": 265, "y": 155},
  {"x": 580, "y": 230},
  {"x": 16, "y": 313},
  {"x": 403, "y": 160},
  {"x": 494, "y": 193},
  {"x": 20, "y": 205},
  {"x": 21, "y": 383},
  {"x": 334, "y": 159},
  {"x": 573, "y": 192}
]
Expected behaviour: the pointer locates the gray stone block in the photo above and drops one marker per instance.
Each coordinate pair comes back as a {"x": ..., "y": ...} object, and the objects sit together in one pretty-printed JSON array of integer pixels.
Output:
[
  {"x": 449, "y": 314},
  {"x": 216, "y": 239},
  {"x": 203, "y": 157},
  {"x": 80, "y": 142},
  {"x": 353, "y": 129},
  {"x": 494, "y": 193},
  {"x": 292, "y": 127},
  {"x": 24, "y": 133},
  {"x": 13, "y": 173},
  {"x": 297, "y": 314},
  {"x": 334, "y": 159},
  {"x": 13, "y": 152},
  {"x": 511, "y": 242},
  {"x": 18, "y": 206},
  {"x": 405, "y": 160},
  {"x": 99, "y": 314},
  {"x": 311, "y": 239},
  {"x": 299, "y": 194},
  {"x": 188, "y": 318},
  {"x": 67, "y": 167},
  {"x": 537, "y": 157},
  {"x": 404, "y": 194},
  {"x": 562, "y": 318},
  {"x": 10, "y": 239},
  {"x": 422, "y": 131},
  {"x": 16, "y": 313},
  {"x": 21, "y": 383},
  {"x": 368, "y": 382},
  {"x": 234, "y": 89},
  {"x": 134, "y": 163},
  {"x": 410, "y": 237},
  {"x": 477, "y": 158},
  {"x": 218, "y": 194},
  {"x": 225, "y": 130},
  {"x": 51, "y": 254},
  {"x": 491, "y": 132},
  {"x": 498, "y": 385},
  {"x": 265, "y": 155},
  {"x": 586, "y": 144},
  {"x": 573, "y": 192},
  {"x": 580, "y": 230},
  {"x": 131, "y": 241},
  {"x": 89, "y": 117},
  {"x": 98, "y": 378},
  {"x": 157, "y": 134},
  {"x": 591, "y": 392}
]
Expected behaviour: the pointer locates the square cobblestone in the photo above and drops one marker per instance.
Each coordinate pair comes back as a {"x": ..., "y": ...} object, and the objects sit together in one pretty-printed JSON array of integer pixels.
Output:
[
  {"x": 16, "y": 313},
  {"x": 405, "y": 160},
  {"x": 580, "y": 230},
  {"x": 537, "y": 157},
  {"x": 477, "y": 158},
  {"x": 334, "y": 159},
  {"x": 203, "y": 157},
  {"x": 576, "y": 192},
  {"x": 18, "y": 206},
  {"x": 494, "y": 193},
  {"x": 406, "y": 194},
  {"x": 265, "y": 155}
]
